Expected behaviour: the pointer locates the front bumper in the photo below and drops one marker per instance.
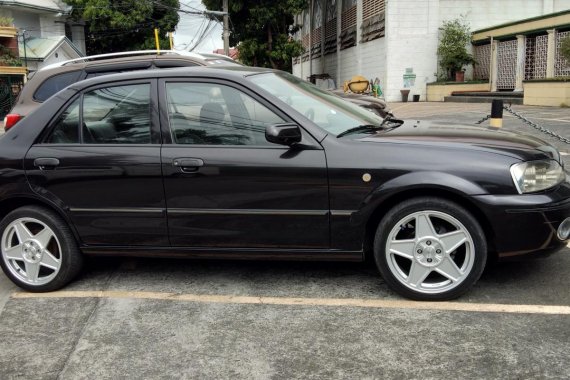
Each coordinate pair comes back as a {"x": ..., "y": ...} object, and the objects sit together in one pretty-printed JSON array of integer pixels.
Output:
[{"x": 525, "y": 225}]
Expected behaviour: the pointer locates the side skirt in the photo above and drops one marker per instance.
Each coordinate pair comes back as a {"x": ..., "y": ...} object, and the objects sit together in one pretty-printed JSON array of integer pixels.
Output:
[{"x": 226, "y": 253}]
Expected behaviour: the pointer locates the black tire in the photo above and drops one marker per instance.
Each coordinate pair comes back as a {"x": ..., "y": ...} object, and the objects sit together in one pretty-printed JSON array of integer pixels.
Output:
[
  {"x": 71, "y": 259},
  {"x": 392, "y": 266}
]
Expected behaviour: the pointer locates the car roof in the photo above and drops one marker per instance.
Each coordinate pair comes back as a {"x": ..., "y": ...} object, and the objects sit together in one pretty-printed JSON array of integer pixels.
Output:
[{"x": 225, "y": 72}]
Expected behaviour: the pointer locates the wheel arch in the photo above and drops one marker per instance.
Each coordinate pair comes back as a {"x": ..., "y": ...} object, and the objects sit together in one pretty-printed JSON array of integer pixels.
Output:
[
  {"x": 10, "y": 204},
  {"x": 437, "y": 192}
]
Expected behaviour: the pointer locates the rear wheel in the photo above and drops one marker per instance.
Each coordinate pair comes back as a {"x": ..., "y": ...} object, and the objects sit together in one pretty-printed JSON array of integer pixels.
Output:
[
  {"x": 430, "y": 249},
  {"x": 39, "y": 252}
]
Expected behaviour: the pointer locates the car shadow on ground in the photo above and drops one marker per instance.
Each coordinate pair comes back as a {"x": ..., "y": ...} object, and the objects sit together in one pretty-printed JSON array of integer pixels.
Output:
[{"x": 541, "y": 281}]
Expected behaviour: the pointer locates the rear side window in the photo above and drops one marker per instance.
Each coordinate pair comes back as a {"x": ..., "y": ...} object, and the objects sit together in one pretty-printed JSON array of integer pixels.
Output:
[
  {"x": 66, "y": 128},
  {"x": 55, "y": 84},
  {"x": 117, "y": 115},
  {"x": 110, "y": 115}
]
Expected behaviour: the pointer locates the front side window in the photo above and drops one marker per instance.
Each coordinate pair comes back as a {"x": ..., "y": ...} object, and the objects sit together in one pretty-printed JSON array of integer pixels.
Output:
[
  {"x": 117, "y": 115},
  {"x": 325, "y": 109},
  {"x": 215, "y": 114}
]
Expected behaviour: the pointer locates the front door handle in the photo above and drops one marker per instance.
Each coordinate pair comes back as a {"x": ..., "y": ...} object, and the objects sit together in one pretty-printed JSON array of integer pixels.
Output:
[
  {"x": 188, "y": 165},
  {"x": 46, "y": 163}
]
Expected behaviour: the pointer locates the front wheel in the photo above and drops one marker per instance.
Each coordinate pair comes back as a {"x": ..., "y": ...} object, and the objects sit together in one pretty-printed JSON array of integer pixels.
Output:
[
  {"x": 39, "y": 252},
  {"x": 430, "y": 249}
]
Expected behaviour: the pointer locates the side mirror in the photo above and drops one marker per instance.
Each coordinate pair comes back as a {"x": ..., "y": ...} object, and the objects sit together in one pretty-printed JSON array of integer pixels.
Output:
[{"x": 283, "y": 134}]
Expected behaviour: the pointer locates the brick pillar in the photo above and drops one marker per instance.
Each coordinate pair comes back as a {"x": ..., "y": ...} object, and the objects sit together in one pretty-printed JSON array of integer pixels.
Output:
[
  {"x": 12, "y": 44},
  {"x": 521, "y": 51}
]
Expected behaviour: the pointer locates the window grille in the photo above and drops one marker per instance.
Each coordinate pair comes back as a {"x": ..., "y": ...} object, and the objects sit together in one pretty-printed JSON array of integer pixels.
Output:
[
  {"x": 306, "y": 32},
  {"x": 348, "y": 24},
  {"x": 506, "y": 65},
  {"x": 330, "y": 28},
  {"x": 483, "y": 58},
  {"x": 535, "y": 57},
  {"x": 372, "y": 20},
  {"x": 561, "y": 65},
  {"x": 317, "y": 28}
]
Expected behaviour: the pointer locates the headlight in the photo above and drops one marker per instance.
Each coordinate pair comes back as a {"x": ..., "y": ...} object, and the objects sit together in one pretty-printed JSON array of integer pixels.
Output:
[{"x": 535, "y": 176}]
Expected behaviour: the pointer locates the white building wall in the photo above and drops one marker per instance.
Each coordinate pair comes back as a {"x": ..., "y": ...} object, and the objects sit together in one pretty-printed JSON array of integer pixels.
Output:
[
  {"x": 78, "y": 37},
  {"x": 560, "y": 5},
  {"x": 297, "y": 70},
  {"x": 412, "y": 30},
  {"x": 347, "y": 65},
  {"x": 330, "y": 67},
  {"x": 412, "y": 33},
  {"x": 28, "y": 22},
  {"x": 52, "y": 26},
  {"x": 317, "y": 67}
]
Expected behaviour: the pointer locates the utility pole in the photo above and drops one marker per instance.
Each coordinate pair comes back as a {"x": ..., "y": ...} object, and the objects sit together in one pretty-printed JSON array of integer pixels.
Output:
[
  {"x": 226, "y": 28},
  {"x": 25, "y": 52}
]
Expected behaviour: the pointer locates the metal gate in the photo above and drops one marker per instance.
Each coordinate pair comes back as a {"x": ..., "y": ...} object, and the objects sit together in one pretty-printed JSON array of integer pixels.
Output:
[
  {"x": 10, "y": 87},
  {"x": 506, "y": 65}
]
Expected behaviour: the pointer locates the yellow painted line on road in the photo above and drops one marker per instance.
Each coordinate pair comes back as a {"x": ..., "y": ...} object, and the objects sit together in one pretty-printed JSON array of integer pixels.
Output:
[{"x": 292, "y": 301}]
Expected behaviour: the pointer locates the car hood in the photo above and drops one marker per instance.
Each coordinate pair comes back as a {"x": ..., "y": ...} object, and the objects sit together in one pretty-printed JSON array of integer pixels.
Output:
[{"x": 459, "y": 136}]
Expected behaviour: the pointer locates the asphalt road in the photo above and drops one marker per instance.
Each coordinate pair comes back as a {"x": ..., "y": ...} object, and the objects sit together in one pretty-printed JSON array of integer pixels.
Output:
[{"x": 164, "y": 319}]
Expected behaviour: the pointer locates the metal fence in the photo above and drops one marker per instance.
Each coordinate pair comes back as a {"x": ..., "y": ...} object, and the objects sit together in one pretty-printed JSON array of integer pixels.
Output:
[
  {"x": 507, "y": 65},
  {"x": 483, "y": 58}
]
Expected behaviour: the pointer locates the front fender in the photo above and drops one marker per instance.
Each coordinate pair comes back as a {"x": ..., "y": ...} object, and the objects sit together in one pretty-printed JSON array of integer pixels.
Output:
[{"x": 431, "y": 181}]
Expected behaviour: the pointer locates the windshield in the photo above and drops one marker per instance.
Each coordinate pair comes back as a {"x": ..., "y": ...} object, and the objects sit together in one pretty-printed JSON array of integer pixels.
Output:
[{"x": 325, "y": 109}]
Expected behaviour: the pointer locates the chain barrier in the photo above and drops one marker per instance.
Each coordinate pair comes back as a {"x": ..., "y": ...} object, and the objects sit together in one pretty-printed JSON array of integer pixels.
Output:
[
  {"x": 529, "y": 123},
  {"x": 483, "y": 119}
]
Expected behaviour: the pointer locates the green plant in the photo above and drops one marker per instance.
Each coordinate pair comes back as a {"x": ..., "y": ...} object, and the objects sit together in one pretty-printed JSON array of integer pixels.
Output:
[
  {"x": 7, "y": 58},
  {"x": 6, "y": 21},
  {"x": 452, "y": 49},
  {"x": 565, "y": 49}
]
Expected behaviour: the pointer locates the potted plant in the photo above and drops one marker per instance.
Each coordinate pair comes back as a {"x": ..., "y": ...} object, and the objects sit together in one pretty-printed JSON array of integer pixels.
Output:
[
  {"x": 455, "y": 35},
  {"x": 7, "y": 58},
  {"x": 7, "y": 28}
]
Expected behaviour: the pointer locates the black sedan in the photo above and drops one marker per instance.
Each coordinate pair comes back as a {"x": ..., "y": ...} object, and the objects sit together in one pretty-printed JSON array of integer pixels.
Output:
[{"x": 252, "y": 163}]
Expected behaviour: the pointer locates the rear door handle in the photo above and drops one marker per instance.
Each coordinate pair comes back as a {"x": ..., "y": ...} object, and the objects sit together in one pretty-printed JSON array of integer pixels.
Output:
[
  {"x": 188, "y": 165},
  {"x": 46, "y": 163}
]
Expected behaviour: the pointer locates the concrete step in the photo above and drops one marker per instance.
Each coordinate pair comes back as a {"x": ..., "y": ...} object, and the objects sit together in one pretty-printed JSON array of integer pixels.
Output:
[
  {"x": 495, "y": 94},
  {"x": 483, "y": 99}
]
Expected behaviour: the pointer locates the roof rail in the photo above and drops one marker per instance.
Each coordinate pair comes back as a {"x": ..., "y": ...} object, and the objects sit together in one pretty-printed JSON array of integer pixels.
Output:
[{"x": 121, "y": 54}]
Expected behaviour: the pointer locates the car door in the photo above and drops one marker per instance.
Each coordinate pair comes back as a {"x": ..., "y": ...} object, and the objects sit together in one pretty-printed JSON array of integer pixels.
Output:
[
  {"x": 226, "y": 186},
  {"x": 100, "y": 161}
]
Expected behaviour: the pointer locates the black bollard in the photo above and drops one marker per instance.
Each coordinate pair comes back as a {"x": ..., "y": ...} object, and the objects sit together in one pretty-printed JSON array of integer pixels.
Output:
[{"x": 496, "y": 114}]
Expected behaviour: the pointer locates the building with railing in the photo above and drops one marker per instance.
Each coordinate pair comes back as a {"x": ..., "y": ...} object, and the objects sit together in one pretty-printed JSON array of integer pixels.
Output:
[
  {"x": 389, "y": 39},
  {"x": 41, "y": 33},
  {"x": 525, "y": 51}
]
